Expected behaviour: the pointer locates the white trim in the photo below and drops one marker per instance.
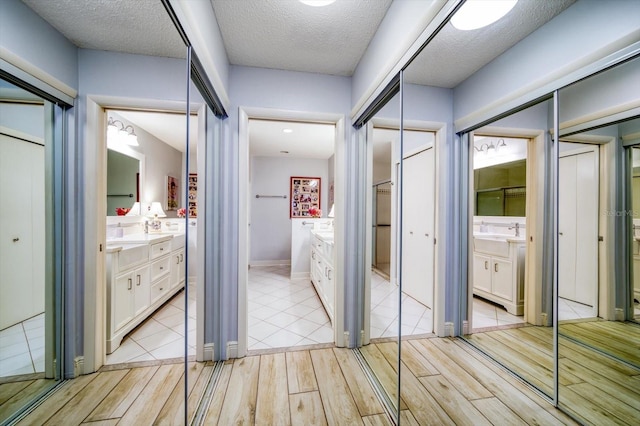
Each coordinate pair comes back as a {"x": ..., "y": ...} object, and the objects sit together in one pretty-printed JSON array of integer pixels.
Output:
[
  {"x": 36, "y": 72},
  {"x": 232, "y": 349},
  {"x": 78, "y": 366},
  {"x": 300, "y": 276},
  {"x": 257, "y": 263},
  {"x": 208, "y": 351},
  {"x": 244, "y": 114}
]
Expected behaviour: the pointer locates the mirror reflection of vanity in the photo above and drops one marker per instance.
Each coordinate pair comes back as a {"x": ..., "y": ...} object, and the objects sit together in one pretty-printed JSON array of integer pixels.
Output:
[{"x": 123, "y": 179}]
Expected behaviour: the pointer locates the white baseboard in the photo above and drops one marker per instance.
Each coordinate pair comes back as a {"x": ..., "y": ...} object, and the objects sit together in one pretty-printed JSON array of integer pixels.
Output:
[
  {"x": 269, "y": 262},
  {"x": 208, "y": 351},
  {"x": 78, "y": 366},
  {"x": 232, "y": 349},
  {"x": 300, "y": 276},
  {"x": 448, "y": 329}
]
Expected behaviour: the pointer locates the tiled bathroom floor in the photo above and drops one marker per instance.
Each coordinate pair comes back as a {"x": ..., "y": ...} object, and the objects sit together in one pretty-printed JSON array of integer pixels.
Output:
[
  {"x": 161, "y": 336},
  {"x": 282, "y": 312},
  {"x": 486, "y": 314},
  {"x": 22, "y": 348}
]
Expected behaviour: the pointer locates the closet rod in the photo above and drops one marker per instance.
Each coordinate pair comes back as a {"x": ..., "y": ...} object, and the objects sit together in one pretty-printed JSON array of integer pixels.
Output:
[{"x": 271, "y": 196}]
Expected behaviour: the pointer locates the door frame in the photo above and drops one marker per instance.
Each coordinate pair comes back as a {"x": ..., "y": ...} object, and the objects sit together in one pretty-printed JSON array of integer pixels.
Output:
[
  {"x": 533, "y": 218},
  {"x": 244, "y": 115},
  {"x": 94, "y": 167}
]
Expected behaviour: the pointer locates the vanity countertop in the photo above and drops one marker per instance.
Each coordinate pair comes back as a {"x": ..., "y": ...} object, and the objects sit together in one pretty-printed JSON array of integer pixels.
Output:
[
  {"x": 142, "y": 238},
  {"x": 113, "y": 247},
  {"x": 500, "y": 237},
  {"x": 324, "y": 235}
]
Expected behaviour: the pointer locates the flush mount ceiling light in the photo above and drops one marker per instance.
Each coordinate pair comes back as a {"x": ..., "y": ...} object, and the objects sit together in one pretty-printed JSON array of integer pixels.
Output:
[
  {"x": 317, "y": 3},
  {"x": 476, "y": 14},
  {"x": 287, "y": 130}
]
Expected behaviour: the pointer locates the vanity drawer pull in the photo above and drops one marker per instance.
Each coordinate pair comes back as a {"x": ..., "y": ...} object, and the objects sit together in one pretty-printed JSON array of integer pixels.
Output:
[
  {"x": 138, "y": 283},
  {"x": 495, "y": 267},
  {"x": 181, "y": 257},
  {"x": 486, "y": 264},
  {"x": 161, "y": 268},
  {"x": 177, "y": 260},
  {"x": 130, "y": 285}
]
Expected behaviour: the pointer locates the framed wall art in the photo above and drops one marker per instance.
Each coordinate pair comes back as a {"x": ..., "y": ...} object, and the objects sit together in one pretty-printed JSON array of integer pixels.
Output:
[
  {"x": 305, "y": 196},
  {"x": 172, "y": 194},
  {"x": 192, "y": 194}
]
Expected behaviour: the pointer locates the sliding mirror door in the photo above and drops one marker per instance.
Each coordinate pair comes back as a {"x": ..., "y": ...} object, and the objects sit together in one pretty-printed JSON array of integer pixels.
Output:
[
  {"x": 599, "y": 337},
  {"x": 510, "y": 299},
  {"x": 382, "y": 307},
  {"x": 30, "y": 248}
]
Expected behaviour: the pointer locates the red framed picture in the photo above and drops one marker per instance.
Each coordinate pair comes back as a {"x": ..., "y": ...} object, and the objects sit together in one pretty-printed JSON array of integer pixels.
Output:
[{"x": 305, "y": 197}]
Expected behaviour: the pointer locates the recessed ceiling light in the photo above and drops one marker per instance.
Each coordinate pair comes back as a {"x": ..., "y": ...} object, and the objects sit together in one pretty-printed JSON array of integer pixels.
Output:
[
  {"x": 317, "y": 3},
  {"x": 287, "y": 130},
  {"x": 476, "y": 14}
]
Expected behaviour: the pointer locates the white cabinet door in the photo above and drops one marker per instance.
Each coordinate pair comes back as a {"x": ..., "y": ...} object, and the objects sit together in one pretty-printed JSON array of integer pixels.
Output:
[
  {"x": 141, "y": 291},
  {"x": 177, "y": 268},
  {"x": 22, "y": 230},
  {"x": 122, "y": 301},
  {"x": 502, "y": 279},
  {"x": 482, "y": 272},
  {"x": 418, "y": 187}
]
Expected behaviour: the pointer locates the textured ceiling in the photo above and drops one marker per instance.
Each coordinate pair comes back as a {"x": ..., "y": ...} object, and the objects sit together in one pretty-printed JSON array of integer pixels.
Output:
[
  {"x": 308, "y": 140},
  {"x": 454, "y": 55},
  {"x": 131, "y": 26},
  {"x": 286, "y": 34}
]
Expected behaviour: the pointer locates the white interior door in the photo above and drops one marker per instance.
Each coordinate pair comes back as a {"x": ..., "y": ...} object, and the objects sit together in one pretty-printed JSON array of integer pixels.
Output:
[
  {"x": 578, "y": 227},
  {"x": 22, "y": 230},
  {"x": 418, "y": 188}
]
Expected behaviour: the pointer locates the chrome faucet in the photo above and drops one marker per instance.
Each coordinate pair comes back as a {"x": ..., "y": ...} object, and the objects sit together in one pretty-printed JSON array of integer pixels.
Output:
[{"x": 517, "y": 228}]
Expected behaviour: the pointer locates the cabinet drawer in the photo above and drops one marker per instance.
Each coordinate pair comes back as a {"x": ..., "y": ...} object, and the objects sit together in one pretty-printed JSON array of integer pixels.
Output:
[
  {"x": 160, "y": 267},
  {"x": 160, "y": 288},
  {"x": 160, "y": 249}
]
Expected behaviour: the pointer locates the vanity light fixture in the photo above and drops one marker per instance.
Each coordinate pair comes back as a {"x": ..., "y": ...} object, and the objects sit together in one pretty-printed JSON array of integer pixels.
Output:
[
  {"x": 117, "y": 129},
  {"x": 317, "y": 3},
  {"x": 485, "y": 147},
  {"x": 476, "y": 14}
]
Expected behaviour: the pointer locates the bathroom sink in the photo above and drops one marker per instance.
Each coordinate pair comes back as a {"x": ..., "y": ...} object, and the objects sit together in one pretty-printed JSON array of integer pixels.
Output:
[{"x": 491, "y": 244}]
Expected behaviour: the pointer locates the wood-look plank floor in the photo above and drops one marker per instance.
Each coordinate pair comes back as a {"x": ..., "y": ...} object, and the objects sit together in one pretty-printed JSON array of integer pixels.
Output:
[
  {"x": 445, "y": 381},
  {"x": 596, "y": 388}
]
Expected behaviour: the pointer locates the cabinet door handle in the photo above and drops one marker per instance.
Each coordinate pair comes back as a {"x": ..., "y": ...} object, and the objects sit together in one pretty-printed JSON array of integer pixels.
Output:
[
  {"x": 177, "y": 260},
  {"x": 181, "y": 257},
  {"x": 495, "y": 267},
  {"x": 329, "y": 274},
  {"x": 486, "y": 264},
  {"x": 130, "y": 286},
  {"x": 138, "y": 283},
  {"x": 313, "y": 255},
  {"x": 161, "y": 248}
]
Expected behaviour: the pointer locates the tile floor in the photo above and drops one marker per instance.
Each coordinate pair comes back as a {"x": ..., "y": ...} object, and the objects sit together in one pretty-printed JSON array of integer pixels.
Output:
[
  {"x": 161, "y": 336},
  {"x": 416, "y": 318},
  {"x": 487, "y": 314},
  {"x": 569, "y": 310},
  {"x": 284, "y": 312},
  {"x": 22, "y": 348}
]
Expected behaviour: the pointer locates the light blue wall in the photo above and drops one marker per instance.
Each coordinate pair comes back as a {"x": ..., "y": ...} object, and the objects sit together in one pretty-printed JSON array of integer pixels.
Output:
[
  {"x": 28, "y": 36},
  {"x": 26, "y": 118},
  {"x": 270, "y": 223},
  {"x": 581, "y": 30}
]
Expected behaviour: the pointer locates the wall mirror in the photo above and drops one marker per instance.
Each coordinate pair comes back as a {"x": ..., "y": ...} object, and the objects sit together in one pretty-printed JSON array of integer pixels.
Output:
[
  {"x": 499, "y": 176},
  {"x": 599, "y": 338},
  {"x": 123, "y": 180},
  {"x": 29, "y": 340}
]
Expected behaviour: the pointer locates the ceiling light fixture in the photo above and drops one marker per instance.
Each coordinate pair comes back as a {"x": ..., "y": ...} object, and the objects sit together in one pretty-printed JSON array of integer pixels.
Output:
[
  {"x": 287, "y": 130},
  {"x": 116, "y": 130},
  {"x": 476, "y": 14},
  {"x": 317, "y": 3}
]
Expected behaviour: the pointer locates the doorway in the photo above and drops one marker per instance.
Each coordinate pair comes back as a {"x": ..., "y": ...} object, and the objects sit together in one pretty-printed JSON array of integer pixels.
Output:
[{"x": 270, "y": 203}]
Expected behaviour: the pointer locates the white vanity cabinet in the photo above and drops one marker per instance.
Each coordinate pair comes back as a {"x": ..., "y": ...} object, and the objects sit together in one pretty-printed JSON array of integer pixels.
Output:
[
  {"x": 140, "y": 277},
  {"x": 321, "y": 270},
  {"x": 498, "y": 272}
]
